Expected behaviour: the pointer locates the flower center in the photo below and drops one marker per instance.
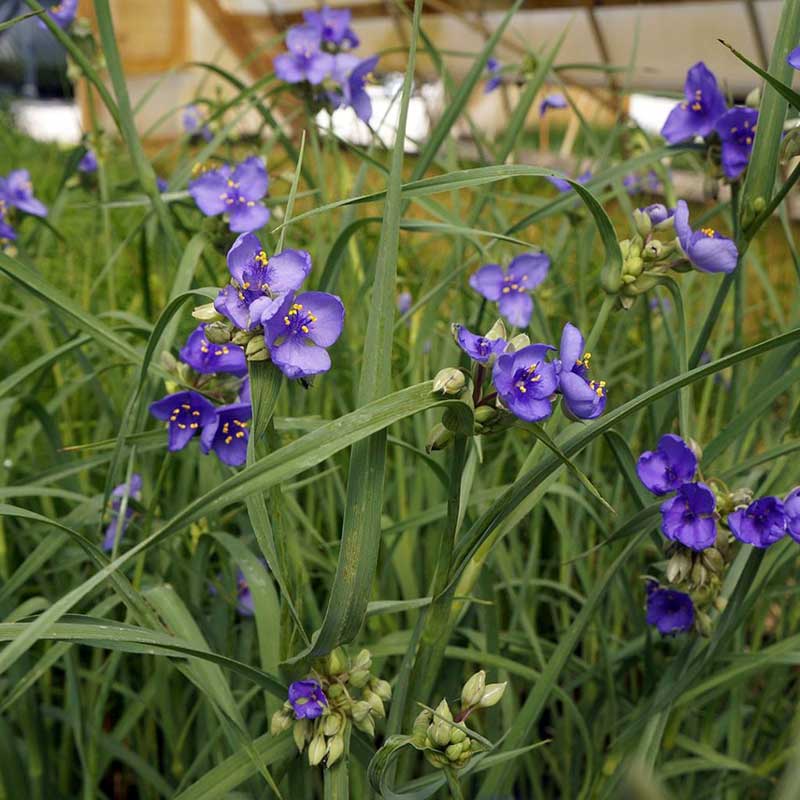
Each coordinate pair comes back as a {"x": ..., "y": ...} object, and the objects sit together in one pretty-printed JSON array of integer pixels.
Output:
[
  {"x": 298, "y": 320},
  {"x": 598, "y": 387},
  {"x": 234, "y": 429},
  {"x": 744, "y": 135},
  {"x": 526, "y": 378},
  {"x": 584, "y": 362},
  {"x": 184, "y": 416},
  {"x": 218, "y": 349},
  {"x": 710, "y": 232},
  {"x": 512, "y": 284}
]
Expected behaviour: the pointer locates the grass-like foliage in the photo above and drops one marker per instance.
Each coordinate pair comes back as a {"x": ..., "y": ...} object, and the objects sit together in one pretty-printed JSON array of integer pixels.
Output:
[{"x": 339, "y": 471}]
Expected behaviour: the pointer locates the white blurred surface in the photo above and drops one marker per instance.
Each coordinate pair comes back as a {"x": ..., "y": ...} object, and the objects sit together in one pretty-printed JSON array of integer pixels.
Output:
[{"x": 49, "y": 120}]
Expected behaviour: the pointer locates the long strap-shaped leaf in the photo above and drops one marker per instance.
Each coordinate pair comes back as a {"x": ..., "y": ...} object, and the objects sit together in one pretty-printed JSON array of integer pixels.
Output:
[{"x": 361, "y": 528}]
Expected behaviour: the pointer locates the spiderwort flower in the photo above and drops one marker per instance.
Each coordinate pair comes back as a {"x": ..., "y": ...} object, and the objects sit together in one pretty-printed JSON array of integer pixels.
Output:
[
  {"x": 62, "y": 14},
  {"x": 16, "y": 191},
  {"x": 227, "y": 435},
  {"x": 658, "y": 213},
  {"x": 307, "y": 699},
  {"x": 478, "y": 348},
  {"x": 703, "y": 106},
  {"x": 185, "y": 413},
  {"x": 88, "y": 163},
  {"x": 207, "y": 358},
  {"x": 259, "y": 283},
  {"x": 564, "y": 186},
  {"x": 305, "y": 61},
  {"x": 761, "y": 524},
  {"x": 511, "y": 290},
  {"x": 736, "y": 129},
  {"x": 193, "y": 121},
  {"x": 333, "y": 25},
  {"x": 670, "y": 465},
  {"x": 351, "y": 74},
  {"x": 495, "y": 70},
  {"x": 791, "y": 507},
  {"x": 670, "y": 611},
  {"x": 708, "y": 250},
  {"x": 793, "y": 59},
  {"x": 404, "y": 302},
  {"x": 116, "y": 528},
  {"x": 689, "y": 517},
  {"x": 298, "y": 334},
  {"x": 552, "y": 101},
  {"x": 525, "y": 382},
  {"x": 583, "y": 399},
  {"x": 234, "y": 192}
]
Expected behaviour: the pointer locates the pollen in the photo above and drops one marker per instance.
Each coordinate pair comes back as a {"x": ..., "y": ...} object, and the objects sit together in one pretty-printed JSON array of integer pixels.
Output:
[
  {"x": 261, "y": 258},
  {"x": 710, "y": 232}
]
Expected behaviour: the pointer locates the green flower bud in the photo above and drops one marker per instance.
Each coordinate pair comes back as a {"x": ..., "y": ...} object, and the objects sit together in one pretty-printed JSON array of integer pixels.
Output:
[
  {"x": 363, "y": 660},
  {"x": 790, "y": 146},
  {"x": 359, "y": 678},
  {"x": 300, "y": 732},
  {"x": 642, "y": 221},
  {"x": 207, "y": 313},
  {"x": 335, "y": 691},
  {"x": 256, "y": 349},
  {"x": 713, "y": 561},
  {"x": 420, "y": 730},
  {"x": 492, "y": 694},
  {"x": 457, "y": 735},
  {"x": 375, "y": 703},
  {"x": 382, "y": 688},
  {"x": 439, "y": 730},
  {"x": 281, "y": 721},
  {"x": 699, "y": 574},
  {"x": 335, "y": 749},
  {"x": 518, "y": 342},
  {"x": 497, "y": 331},
  {"x": 449, "y": 381},
  {"x": 317, "y": 750},
  {"x": 472, "y": 691},
  {"x": 361, "y": 711},
  {"x": 696, "y": 449},
  {"x": 753, "y": 99},
  {"x": 366, "y": 725},
  {"x": 332, "y": 724},
  {"x": 453, "y": 752},
  {"x": 703, "y": 623},
  {"x": 438, "y": 438},
  {"x": 679, "y": 567},
  {"x": 243, "y": 337},
  {"x": 218, "y": 332},
  {"x": 337, "y": 662},
  {"x": 653, "y": 250}
]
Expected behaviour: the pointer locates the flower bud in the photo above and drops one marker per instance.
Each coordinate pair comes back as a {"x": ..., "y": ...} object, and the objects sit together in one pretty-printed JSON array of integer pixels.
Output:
[
  {"x": 207, "y": 313},
  {"x": 300, "y": 732},
  {"x": 699, "y": 574},
  {"x": 457, "y": 735},
  {"x": 317, "y": 750},
  {"x": 366, "y": 725},
  {"x": 497, "y": 331},
  {"x": 679, "y": 567},
  {"x": 713, "y": 560},
  {"x": 375, "y": 703},
  {"x": 359, "y": 678},
  {"x": 242, "y": 338},
  {"x": 256, "y": 349},
  {"x": 753, "y": 99},
  {"x": 703, "y": 623},
  {"x": 438, "y": 438},
  {"x": 334, "y": 691},
  {"x": 653, "y": 250},
  {"x": 696, "y": 449},
  {"x": 361, "y": 711},
  {"x": 492, "y": 694},
  {"x": 332, "y": 724},
  {"x": 472, "y": 692},
  {"x": 642, "y": 221},
  {"x": 518, "y": 342},
  {"x": 335, "y": 749},
  {"x": 218, "y": 332},
  {"x": 363, "y": 660},
  {"x": 439, "y": 730},
  {"x": 281, "y": 721},
  {"x": 382, "y": 688},
  {"x": 790, "y": 146},
  {"x": 453, "y": 752},
  {"x": 449, "y": 381},
  {"x": 337, "y": 662},
  {"x": 420, "y": 730}
]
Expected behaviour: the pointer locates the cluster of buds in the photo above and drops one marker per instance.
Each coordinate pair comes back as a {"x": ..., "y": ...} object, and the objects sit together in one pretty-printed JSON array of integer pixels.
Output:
[
  {"x": 338, "y": 694},
  {"x": 219, "y": 330},
  {"x": 445, "y": 739}
]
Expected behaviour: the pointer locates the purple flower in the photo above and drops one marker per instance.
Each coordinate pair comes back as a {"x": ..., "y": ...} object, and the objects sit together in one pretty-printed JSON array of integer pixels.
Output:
[
  {"x": 16, "y": 191},
  {"x": 525, "y": 382},
  {"x": 791, "y": 507},
  {"x": 88, "y": 163},
  {"x": 495, "y": 70},
  {"x": 237, "y": 194},
  {"x": 761, "y": 524},
  {"x": 511, "y": 290},
  {"x": 404, "y": 302},
  {"x": 116, "y": 528},
  {"x": 564, "y": 186},
  {"x": 244, "y": 596},
  {"x": 793, "y": 59},
  {"x": 658, "y": 213},
  {"x": 666, "y": 468},
  {"x": 351, "y": 74},
  {"x": 307, "y": 699},
  {"x": 479, "y": 348},
  {"x": 194, "y": 123},
  {"x": 259, "y": 283},
  {"x": 207, "y": 358},
  {"x": 227, "y": 434},
  {"x": 583, "y": 399},
  {"x": 298, "y": 334},
  {"x": 708, "y": 250},
  {"x": 703, "y": 106},
  {"x": 333, "y": 25},
  {"x": 736, "y": 129},
  {"x": 552, "y": 101},
  {"x": 689, "y": 517},
  {"x": 7, "y": 233},
  {"x": 185, "y": 413},
  {"x": 670, "y": 611},
  {"x": 161, "y": 185},
  {"x": 304, "y": 61},
  {"x": 62, "y": 14}
]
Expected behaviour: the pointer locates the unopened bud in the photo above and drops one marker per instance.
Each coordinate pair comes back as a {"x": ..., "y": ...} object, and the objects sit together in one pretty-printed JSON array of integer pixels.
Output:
[
  {"x": 497, "y": 331},
  {"x": 365, "y": 725},
  {"x": 653, "y": 250},
  {"x": 492, "y": 694},
  {"x": 218, "y": 332},
  {"x": 699, "y": 574},
  {"x": 753, "y": 99},
  {"x": 694, "y": 446},
  {"x": 337, "y": 662},
  {"x": 679, "y": 567},
  {"x": 441, "y": 726},
  {"x": 713, "y": 560},
  {"x": 790, "y": 146},
  {"x": 382, "y": 688},
  {"x": 438, "y": 438},
  {"x": 335, "y": 749},
  {"x": 453, "y": 752},
  {"x": 449, "y": 381},
  {"x": 703, "y": 623},
  {"x": 317, "y": 750},
  {"x": 281, "y": 721},
  {"x": 642, "y": 221},
  {"x": 332, "y": 724},
  {"x": 206, "y": 313},
  {"x": 300, "y": 732},
  {"x": 518, "y": 342},
  {"x": 363, "y": 660},
  {"x": 359, "y": 678},
  {"x": 334, "y": 691},
  {"x": 243, "y": 337},
  {"x": 420, "y": 729},
  {"x": 473, "y": 689},
  {"x": 361, "y": 711},
  {"x": 375, "y": 703},
  {"x": 256, "y": 349}
]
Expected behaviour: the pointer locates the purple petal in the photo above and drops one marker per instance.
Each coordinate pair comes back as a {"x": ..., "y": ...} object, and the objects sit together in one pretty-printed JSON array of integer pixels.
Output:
[
  {"x": 252, "y": 177},
  {"x": 287, "y": 270},
  {"x": 488, "y": 281},
  {"x": 517, "y": 308},
  {"x": 571, "y": 349},
  {"x": 793, "y": 59},
  {"x": 242, "y": 255},
  {"x": 681, "y": 223},
  {"x": 300, "y": 358},
  {"x": 529, "y": 269},
  {"x": 329, "y": 312},
  {"x": 243, "y": 218},
  {"x": 210, "y": 191},
  {"x": 713, "y": 253}
]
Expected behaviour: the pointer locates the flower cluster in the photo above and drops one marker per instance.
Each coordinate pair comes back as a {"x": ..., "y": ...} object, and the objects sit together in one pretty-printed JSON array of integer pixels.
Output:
[
  {"x": 236, "y": 192},
  {"x": 16, "y": 192},
  {"x": 511, "y": 289},
  {"x": 321, "y": 708},
  {"x": 692, "y": 519},
  {"x": 216, "y": 370},
  {"x": 704, "y": 113},
  {"x": 318, "y": 60},
  {"x": 445, "y": 739},
  {"x": 262, "y": 311}
]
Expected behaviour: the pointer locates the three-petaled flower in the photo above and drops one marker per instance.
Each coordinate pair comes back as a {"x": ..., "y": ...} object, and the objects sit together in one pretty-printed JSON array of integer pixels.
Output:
[
  {"x": 351, "y": 73},
  {"x": 689, "y": 516},
  {"x": 511, "y": 290},
  {"x": 88, "y": 163},
  {"x": 761, "y": 524},
  {"x": 668, "y": 467},
  {"x": 526, "y": 382},
  {"x": 670, "y": 611},
  {"x": 185, "y": 413},
  {"x": 307, "y": 699},
  {"x": 495, "y": 70},
  {"x": 707, "y": 249},
  {"x": 206, "y": 357},
  {"x": 305, "y": 61},
  {"x": 583, "y": 398},
  {"x": 479, "y": 348},
  {"x": 703, "y": 105},
  {"x": 236, "y": 193},
  {"x": 227, "y": 434},
  {"x": 16, "y": 191},
  {"x": 737, "y": 130},
  {"x": 333, "y": 25}
]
